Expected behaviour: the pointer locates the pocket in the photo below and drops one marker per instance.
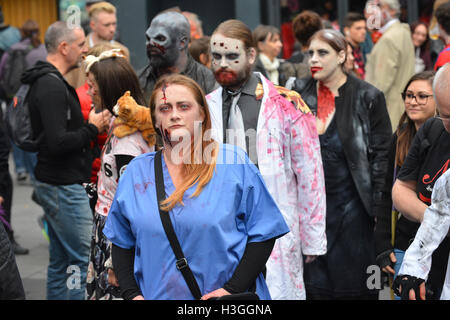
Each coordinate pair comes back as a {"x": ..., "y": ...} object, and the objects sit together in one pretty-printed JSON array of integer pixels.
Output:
[{"x": 48, "y": 198}]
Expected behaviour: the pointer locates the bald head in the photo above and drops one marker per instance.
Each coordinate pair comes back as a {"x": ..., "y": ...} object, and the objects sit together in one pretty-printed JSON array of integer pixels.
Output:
[
  {"x": 173, "y": 21},
  {"x": 441, "y": 90},
  {"x": 167, "y": 39}
]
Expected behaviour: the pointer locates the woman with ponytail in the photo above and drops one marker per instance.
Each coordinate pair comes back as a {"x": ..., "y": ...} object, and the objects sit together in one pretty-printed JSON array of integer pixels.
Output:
[{"x": 223, "y": 215}]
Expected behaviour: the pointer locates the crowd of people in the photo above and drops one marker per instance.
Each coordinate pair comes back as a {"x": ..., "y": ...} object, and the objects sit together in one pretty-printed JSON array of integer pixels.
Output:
[{"x": 221, "y": 169}]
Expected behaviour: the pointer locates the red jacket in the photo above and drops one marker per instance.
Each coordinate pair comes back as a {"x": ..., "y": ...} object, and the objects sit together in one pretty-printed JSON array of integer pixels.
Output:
[{"x": 86, "y": 103}]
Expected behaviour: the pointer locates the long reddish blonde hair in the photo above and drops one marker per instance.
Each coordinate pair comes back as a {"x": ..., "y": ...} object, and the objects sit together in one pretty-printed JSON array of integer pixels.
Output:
[{"x": 195, "y": 172}]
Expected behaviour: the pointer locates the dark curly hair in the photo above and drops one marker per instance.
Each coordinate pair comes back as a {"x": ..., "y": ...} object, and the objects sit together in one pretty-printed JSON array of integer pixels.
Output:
[{"x": 305, "y": 25}]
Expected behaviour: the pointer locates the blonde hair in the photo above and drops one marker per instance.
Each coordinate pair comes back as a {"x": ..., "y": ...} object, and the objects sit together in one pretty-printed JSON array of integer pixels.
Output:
[
  {"x": 193, "y": 173},
  {"x": 99, "y": 7},
  {"x": 103, "y": 46}
]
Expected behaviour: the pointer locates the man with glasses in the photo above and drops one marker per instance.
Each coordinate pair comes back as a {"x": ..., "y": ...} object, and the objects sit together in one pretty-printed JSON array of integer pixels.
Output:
[{"x": 422, "y": 179}]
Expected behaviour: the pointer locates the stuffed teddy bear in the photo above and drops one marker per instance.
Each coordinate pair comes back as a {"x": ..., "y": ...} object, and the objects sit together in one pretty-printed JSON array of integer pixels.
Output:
[{"x": 132, "y": 117}]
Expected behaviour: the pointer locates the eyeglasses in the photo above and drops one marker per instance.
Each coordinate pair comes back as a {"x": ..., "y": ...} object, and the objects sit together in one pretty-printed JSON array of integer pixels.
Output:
[
  {"x": 420, "y": 98},
  {"x": 446, "y": 119}
]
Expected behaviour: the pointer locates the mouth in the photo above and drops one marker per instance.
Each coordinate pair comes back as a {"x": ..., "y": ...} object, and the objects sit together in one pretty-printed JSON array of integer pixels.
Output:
[
  {"x": 176, "y": 126},
  {"x": 314, "y": 70},
  {"x": 225, "y": 77}
]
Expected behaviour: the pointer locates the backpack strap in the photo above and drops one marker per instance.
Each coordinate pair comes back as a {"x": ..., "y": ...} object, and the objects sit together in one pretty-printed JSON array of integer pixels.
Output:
[{"x": 69, "y": 114}]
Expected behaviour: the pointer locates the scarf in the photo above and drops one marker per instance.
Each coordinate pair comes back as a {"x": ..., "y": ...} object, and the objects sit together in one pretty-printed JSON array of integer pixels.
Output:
[{"x": 271, "y": 67}]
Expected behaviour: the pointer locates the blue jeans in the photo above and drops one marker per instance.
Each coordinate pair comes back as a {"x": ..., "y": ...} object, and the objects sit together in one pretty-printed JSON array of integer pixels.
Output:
[
  {"x": 69, "y": 218},
  {"x": 399, "y": 254},
  {"x": 24, "y": 161}
]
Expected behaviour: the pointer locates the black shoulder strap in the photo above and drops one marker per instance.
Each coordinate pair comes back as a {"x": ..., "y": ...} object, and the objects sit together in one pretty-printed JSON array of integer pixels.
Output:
[
  {"x": 69, "y": 115},
  {"x": 181, "y": 263}
]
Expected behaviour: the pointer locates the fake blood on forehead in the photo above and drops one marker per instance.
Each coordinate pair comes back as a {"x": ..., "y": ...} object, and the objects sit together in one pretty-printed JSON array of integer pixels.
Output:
[{"x": 163, "y": 89}]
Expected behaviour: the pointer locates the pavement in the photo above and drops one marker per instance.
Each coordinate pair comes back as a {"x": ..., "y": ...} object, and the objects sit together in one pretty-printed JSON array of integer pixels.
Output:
[{"x": 33, "y": 266}]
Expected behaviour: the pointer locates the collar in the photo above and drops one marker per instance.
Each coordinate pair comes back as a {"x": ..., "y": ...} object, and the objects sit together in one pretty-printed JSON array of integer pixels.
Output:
[
  {"x": 91, "y": 42},
  {"x": 388, "y": 25},
  {"x": 249, "y": 87}
]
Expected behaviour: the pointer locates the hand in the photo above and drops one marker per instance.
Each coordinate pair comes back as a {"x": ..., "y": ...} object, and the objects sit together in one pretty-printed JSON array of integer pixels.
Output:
[
  {"x": 216, "y": 293},
  {"x": 100, "y": 120},
  {"x": 112, "y": 280},
  {"x": 422, "y": 291},
  {"x": 388, "y": 268},
  {"x": 138, "y": 298},
  {"x": 412, "y": 293},
  {"x": 310, "y": 259}
]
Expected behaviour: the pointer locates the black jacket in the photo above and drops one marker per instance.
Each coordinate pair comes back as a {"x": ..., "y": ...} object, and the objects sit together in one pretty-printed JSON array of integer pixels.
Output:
[
  {"x": 194, "y": 70},
  {"x": 6, "y": 185},
  {"x": 64, "y": 156},
  {"x": 11, "y": 287},
  {"x": 365, "y": 131}
]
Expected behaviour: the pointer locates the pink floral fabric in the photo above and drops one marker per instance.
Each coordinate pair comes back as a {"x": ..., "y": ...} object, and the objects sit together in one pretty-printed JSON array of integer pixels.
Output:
[{"x": 289, "y": 159}]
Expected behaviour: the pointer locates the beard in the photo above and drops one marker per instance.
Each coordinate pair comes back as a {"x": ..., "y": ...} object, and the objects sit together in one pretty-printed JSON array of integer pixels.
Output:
[
  {"x": 231, "y": 79},
  {"x": 162, "y": 58}
]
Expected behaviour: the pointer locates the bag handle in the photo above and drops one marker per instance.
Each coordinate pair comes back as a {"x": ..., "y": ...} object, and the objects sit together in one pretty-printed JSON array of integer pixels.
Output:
[{"x": 181, "y": 263}]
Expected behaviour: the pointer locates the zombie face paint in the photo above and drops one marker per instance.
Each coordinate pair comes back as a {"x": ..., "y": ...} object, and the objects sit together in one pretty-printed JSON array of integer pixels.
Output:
[
  {"x": 176, "y": 112},
  {"x": 324, "y": 60},
  {"x": 230, "y": 62},
  {"x": 164, "y": 38}
]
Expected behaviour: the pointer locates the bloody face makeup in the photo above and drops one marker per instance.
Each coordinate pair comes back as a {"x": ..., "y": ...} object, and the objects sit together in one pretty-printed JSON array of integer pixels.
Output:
[
  {"x": 176, "y": 112},
  {"x": 230, "y": 62},
  {"x": 162, "y": 43},
  {"x": 324, "y": 60}
]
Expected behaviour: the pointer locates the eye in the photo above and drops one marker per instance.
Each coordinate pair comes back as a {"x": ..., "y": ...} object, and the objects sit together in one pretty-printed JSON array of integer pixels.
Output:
[
  {"x": 216, "y": 56},
  {"x": 310, "y": 52},
  {"x": 164, "y": 108},
  {"x": 423, "y": 96},
  {"x": 409, "y": 95},
  {"x": 232, "y": 56},
  {"x": 184, "y": 106},
  {"x": 160, "y": 38},
  {"x": 323, "y": 52}
]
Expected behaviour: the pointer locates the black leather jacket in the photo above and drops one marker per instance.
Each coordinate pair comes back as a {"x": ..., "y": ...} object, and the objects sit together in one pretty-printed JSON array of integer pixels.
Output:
[{"x": 365, "y": 131}]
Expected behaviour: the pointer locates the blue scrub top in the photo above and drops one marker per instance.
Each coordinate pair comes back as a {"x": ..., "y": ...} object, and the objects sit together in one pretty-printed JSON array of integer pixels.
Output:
[{"x": 213, "y": 229}]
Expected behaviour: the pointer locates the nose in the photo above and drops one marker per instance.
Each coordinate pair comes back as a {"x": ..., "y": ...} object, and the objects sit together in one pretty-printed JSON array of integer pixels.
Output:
[
  {"x": 174, "y": 115},
  {"x": 313, "y": 59},
  {"x": 223, "y": 62}
]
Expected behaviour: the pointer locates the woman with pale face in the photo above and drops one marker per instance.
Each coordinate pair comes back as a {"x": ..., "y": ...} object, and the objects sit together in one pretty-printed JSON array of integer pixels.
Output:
[
  {"x": 327, "y": 67},
  {"x": 221, "y": 212},
  {"x": 354, "y": 130}
]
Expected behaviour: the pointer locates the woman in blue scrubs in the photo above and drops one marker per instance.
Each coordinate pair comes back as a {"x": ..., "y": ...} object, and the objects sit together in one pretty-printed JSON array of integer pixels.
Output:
[{"x": 223, "y": 215}]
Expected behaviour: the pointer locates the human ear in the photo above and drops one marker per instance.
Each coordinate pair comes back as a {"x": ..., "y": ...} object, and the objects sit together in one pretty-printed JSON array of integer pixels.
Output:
[
  {"x": 184, "y": 43},
  {"x": 63, "y": 47},
  {"x": 342, "y": 56},
  {"x": 203, "y": 58},
  {"x": 251, "y": 55}
]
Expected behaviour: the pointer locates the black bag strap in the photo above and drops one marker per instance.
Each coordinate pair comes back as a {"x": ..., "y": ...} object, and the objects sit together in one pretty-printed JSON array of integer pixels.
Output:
[{"x": 182, "y": 263}]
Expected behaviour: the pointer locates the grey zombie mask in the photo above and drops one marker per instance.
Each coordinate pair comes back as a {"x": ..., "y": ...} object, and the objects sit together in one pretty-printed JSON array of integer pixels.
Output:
[{"x": 167, "y": 36}]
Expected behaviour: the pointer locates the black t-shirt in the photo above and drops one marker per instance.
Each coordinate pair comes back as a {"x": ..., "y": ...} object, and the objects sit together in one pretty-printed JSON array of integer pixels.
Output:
[{"x": 428, "y": 158}]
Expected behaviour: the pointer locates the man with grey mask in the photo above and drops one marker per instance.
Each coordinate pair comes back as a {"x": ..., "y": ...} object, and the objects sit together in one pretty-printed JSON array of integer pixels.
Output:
[
  {"x": 391, "y": 62},
  {"x": 167, "y": 49}
]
